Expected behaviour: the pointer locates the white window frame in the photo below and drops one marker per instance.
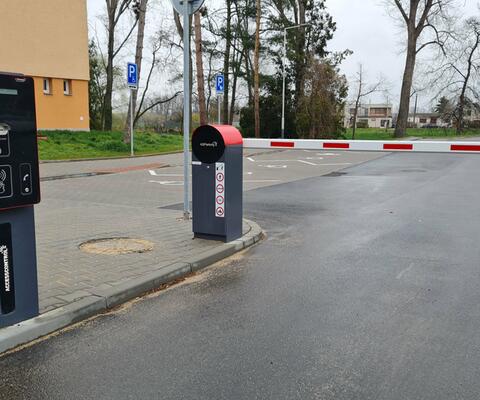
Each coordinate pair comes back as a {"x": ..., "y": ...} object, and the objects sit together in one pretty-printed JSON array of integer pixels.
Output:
[
  {"x": 67, "y": 87},
  {"x": 47, "y": 86}
]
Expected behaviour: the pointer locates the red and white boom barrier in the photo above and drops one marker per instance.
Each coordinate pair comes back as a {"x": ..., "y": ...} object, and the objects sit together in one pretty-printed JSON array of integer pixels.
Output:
[{"x": 364, "y": 145}]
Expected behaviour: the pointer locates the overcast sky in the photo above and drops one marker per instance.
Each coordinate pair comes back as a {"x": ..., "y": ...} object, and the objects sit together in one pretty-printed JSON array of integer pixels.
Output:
[{"x": 364, "y": 27}]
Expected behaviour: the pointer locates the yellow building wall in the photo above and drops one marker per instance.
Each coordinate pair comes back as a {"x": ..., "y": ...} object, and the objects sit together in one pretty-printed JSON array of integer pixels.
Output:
[
  {"x": 57, "y": 111},
  {"x": 44, "y": 38},
  {"x": 49, "y": 39}
]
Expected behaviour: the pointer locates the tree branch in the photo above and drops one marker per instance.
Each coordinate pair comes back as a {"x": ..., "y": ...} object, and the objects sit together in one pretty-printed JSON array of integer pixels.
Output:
[
  {"x": 156, "y": 103},
  {"x": 402, "y": 11}
]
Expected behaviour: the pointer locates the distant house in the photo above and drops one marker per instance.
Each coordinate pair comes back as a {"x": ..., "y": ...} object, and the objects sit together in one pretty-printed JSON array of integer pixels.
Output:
[
  {"x": 369, "y": 115},
  {"x": 427, "y": 120},
  {"x": 48, "y": 40},
  {"x": 472, "y": 116}
]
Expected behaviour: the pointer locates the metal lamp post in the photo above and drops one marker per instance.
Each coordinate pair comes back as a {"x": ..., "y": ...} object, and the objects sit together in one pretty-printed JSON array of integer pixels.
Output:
[{"x": 284, "y": 72}]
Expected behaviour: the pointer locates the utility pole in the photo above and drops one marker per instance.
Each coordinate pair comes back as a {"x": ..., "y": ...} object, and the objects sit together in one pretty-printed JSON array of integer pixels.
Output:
[{"x": 186, "y": 109}]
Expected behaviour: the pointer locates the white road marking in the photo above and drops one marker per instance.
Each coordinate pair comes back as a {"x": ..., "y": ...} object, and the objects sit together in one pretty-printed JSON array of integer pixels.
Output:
[
  {"x": 307, "y": 162},
  {"x": 273, "y": 166},
  {"x": 168, "y": 183},
  {"x": 399, "y": 276},
  {"x": 154, "y": 173},
  {"x": 328, "y": 154},
  {"x": 250, "y": 159},
  {"x": 249, "y": 173},
  {"x": 314, "y": 158}
]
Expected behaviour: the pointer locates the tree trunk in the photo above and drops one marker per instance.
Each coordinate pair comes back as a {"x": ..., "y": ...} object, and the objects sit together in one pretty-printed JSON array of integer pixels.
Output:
[
  {"x": 234, "y": 88},
  {"x": 404, "y": 110},
  {"x": 300, "y": 84},
  {"x": 107, "y": 117},
  {"x": 355, "y": 114},
  {"x": 226, "y": 62},
  {"x": 256, "y": 71},
  {"x": 200, "y": 74},
  {"x": 138, "y": 60},
  {"x": 462, "y": 99}
]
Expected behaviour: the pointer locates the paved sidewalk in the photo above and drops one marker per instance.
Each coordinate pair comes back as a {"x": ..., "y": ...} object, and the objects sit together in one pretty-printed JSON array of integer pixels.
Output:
[{"x": 67, "y": 273}]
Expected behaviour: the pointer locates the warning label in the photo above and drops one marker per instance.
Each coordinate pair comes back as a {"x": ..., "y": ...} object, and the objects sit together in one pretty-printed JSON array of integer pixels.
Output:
[{"x": 220, "y": 190}]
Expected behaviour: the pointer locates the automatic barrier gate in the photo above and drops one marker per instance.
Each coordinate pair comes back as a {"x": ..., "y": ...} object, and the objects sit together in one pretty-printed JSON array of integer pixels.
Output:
[
  {"x": 217, "y": 170},
  {"x": 365, "y": 145},
  {"x": 19, "y": 190}
]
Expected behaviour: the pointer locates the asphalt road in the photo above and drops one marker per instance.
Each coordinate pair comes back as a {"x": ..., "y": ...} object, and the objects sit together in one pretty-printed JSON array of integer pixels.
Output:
[{"x": 367, "y": 287}]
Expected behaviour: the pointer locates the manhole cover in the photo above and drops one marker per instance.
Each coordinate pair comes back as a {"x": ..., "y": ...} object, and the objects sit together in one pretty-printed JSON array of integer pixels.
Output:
[{"x": 114, "y": 246}]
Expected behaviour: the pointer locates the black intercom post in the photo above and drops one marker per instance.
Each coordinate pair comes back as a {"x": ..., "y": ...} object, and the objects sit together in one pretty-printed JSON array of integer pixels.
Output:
[
  {"x": 19, "y": 191},
  {"x": 217, "y": 182}
]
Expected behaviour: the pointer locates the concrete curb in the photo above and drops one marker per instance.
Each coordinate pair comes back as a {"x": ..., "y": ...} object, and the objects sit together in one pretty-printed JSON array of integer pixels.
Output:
[{"x": 103, "y": 300}]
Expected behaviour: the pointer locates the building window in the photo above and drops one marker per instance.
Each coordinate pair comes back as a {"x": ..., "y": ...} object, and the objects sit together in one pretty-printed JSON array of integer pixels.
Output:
[
  {"x": 67, "y": 87},
  {"x": 433, "y": 121},
  {"x": 423, "y": 120},
  {"x": 47, "y": 86}
]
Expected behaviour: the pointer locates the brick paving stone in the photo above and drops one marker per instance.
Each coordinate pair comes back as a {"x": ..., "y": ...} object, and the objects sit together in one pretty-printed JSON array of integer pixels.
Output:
[{"x": 77, "y": 210}]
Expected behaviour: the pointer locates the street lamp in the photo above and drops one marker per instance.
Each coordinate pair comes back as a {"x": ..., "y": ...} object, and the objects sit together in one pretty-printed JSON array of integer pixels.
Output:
[{"x": 284, "y": 72}]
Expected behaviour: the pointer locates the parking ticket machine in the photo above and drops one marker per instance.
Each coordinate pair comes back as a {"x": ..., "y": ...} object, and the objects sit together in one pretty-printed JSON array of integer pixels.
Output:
[
  {"x": 217, "y": 182},
  {"x": 19, "y": 191}
]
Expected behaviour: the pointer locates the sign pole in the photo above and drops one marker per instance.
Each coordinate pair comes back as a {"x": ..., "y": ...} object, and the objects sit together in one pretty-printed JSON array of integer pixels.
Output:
[
  {"x": 132, "y": 153},
  {"x": 219, "y": 109},
  {"x": 186, "y": 109}
]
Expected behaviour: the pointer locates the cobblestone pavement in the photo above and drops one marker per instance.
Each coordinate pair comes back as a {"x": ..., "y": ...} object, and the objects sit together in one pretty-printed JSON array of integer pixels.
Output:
[
  {"x": 67, "y": 273},
  {"x": 137, "y": 205}
]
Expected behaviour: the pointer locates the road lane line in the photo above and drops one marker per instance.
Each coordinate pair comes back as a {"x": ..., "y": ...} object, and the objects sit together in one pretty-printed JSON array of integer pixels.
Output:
[
  {"x": 250, "y": 159},
  {"x": 307, "y": 162},
  {"x": 154, "y": 173},
  {"x": 168, "y": 183},
  {"x": 399, "y": 276}
]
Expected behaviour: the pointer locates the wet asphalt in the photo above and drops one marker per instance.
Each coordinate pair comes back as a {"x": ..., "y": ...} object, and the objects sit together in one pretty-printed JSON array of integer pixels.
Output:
[{"x": 367, "y": 287}]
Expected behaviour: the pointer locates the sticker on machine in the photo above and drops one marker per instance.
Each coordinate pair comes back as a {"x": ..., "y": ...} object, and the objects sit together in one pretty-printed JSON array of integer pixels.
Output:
[
  {"x": 220, "y": 190},
  {"x": 7, "y": 285}
]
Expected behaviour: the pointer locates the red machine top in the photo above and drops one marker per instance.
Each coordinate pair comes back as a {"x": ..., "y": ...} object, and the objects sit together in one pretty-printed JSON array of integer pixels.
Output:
[{"x": 231, "y": 135}]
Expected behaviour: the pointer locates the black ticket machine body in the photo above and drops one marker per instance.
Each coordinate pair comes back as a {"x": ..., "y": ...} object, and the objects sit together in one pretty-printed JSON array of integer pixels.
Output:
[{"x": 19, "y": 191}]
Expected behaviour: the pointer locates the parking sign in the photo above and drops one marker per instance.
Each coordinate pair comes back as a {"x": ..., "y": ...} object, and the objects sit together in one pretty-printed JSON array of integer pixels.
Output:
[
  {"x": 132, "y": 76},
  {"x": 220, "y": 84}
]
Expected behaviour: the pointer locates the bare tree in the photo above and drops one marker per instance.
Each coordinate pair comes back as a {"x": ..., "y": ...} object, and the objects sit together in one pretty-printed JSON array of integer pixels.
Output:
[
  {"x": 200, "y": 75},
  {"x": 470, "y": 55},
  {"x": 146, "y": 104},
  {"x": 256, "y": 71},
  {"x": 363, "y": 90},
  {"x": 140, "y": 9},
  {"x": 115, "y": 10},
  {"x": 418, "y": 16},
  {"x": 459, "y": 70}
]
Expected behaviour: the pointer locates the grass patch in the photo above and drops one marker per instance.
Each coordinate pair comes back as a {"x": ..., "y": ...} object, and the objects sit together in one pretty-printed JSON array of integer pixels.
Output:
[
  {"x": 64, "y": 145},
  {"x": 382, "y": 134}
]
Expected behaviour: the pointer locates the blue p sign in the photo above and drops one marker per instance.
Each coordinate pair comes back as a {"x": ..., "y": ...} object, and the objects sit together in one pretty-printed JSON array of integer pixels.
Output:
[
  {"x": 220, "y": 84},
  {"x": 132, "y": 80}
]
